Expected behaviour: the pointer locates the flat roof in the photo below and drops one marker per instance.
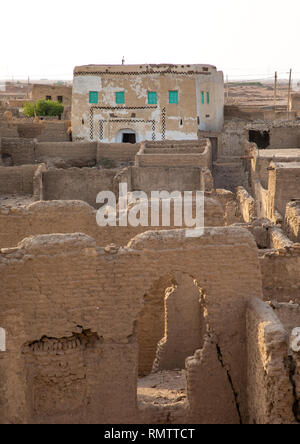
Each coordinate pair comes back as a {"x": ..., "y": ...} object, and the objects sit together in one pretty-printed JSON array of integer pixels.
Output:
[{"x": 145, "y": 68}]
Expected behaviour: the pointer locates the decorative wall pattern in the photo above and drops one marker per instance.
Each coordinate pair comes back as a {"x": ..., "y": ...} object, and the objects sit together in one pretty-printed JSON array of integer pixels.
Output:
[{"x": 133, "y": 120}]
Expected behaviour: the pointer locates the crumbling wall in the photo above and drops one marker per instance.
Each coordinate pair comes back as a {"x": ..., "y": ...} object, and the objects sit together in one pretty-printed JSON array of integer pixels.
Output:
[
  {"x": 76, "y": 216},
  {"x": 183, "y": 333},
  {"x": 67, "y": 153},
  {"x": 247, "y": 205},
  {"x": 17, "y": 180},
  {"x": 284, "y": 184},
  {"x": 292, "y": 221},
  {"x": 168, "y": 179},
  {"x": 121, "y": 152},
  {"x": 270, "y": 393},
  {"x": 77, "y": 184},
  {"x": 66, "y": 287},
  {"x": 285, "y": 137},
  {"x": 20, "y": 151},
  {"x": 280, "y": 275}
]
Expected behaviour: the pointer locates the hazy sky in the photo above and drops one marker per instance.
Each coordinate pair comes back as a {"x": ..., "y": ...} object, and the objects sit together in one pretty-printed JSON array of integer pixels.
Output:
[{"x": 241, "y": 37}]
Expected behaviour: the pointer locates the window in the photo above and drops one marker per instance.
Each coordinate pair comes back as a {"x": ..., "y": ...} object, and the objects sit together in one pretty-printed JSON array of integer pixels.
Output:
[
  {"x": 207, "y": 98},
  {"x": 48, "y": 98},
  {"x": 202, "y": 97},
  {"x": 152, "y": 98},
  {"x": 60, "y": 99},
  {"x": 93, "y": 97},
  {"x": 173, "y": 96},
  {"x": 120, "y": 97}
]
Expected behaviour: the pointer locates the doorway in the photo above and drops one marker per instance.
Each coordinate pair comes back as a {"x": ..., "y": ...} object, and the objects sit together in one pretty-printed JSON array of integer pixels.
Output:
[{"x": 128, "y": 138}]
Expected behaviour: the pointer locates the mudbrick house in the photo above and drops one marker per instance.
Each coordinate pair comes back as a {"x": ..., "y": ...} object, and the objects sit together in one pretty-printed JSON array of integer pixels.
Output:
[{"x": 132, "y": 103}]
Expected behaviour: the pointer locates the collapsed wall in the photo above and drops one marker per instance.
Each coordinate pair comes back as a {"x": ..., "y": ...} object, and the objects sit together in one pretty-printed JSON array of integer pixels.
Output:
[
  {"x": 49, "y": 217},
  {"x": 83, "y": 353}
]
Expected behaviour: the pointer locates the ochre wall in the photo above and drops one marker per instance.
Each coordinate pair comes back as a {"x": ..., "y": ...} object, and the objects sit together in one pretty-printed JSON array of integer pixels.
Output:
[{"x": 63, "y": 288}]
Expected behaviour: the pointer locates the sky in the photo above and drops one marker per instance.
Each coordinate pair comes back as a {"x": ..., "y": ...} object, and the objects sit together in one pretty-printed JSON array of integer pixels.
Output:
[{"x": 243, "y": 38}]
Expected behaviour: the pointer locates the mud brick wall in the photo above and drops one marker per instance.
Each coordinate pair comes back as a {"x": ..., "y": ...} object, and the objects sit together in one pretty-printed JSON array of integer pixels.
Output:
[
  {"x": 76, "y": 217},
  {"x": 122, "y": 152},
  {"x": 17, "y": 180},
  {"x": 280, "y": 276},
  {"x": 168, "y": 179},
  {"x": 292, "y": 221},
  {"x": 270, "y": 392},
  {"x": 77, "y": 184},
  {"x": 21, "y": 151},
  {"x": 66, "y": 287}
]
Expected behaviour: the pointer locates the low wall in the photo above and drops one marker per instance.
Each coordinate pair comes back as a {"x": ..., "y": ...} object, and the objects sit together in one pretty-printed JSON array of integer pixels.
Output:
[
  {"x": 165, "y": 178},
  {"x": 77, "y": 184},
  {"x": 292, "y": 221},
  {"x": 246, "y": 205},
  {"x": 121, "y": 152},
  {"x": 78, "y": 217},
  {"x": 270, "y": 394},
  {"x": 75, "y": 358},
  {"x": 70, "y": 153}
]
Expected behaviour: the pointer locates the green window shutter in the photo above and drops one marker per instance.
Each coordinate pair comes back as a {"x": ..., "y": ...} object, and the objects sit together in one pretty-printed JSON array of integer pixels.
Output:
[
  {"x": 93, "y": 97},
  {"x": 152, "y": 98},
  {"x": 173, "y": 96},
  {"x": 120, "y": 98},
  {"x": 202, "y": 97},
  {"x": 207, "y": 98}
]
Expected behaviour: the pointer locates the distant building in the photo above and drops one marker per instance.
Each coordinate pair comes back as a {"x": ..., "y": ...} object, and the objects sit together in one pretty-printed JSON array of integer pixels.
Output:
[
  {"x": 57, "y": 92},
  {"x": 131, "y": 103}
]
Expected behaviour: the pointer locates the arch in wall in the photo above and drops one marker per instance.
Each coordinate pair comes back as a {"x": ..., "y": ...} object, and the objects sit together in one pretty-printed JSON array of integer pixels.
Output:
[
  {"x": 170, "y": 326},
  {"x": 127, "y": 135}
]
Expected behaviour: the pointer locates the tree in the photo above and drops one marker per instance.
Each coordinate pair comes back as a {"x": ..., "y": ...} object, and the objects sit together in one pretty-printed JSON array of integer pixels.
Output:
[{"x": 43, "y": 108}]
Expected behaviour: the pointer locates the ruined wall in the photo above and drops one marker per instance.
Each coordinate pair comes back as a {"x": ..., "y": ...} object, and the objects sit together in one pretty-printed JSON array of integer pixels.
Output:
[
  {"x": 17, "y": 180},
  {"x": 292, "y": 221},
  {"x": 40, "y": 92},
  {"x": 106, "y": 120},
  {"x": 270, "y": 392},
  {"x": 165, "y": 178},
  {"x": 246, "y": 204},
  {"x": 284, "y": 184},
  {"x": 121, "y": 152},
  {"x": 285, "y": 137},
  {"x": 280, "y": 274},
  {"x": 70, "y": 300},
  {"x": 69, "y": 153},
  {"x": 183, "y": 317},
  {"x": 43, "y": 131},
  {"x": 19, "y": 151},
  {"x": 77, "y": 184},
  {"x": 231, "y": 139},
  {"x": 197, "y": 155}
]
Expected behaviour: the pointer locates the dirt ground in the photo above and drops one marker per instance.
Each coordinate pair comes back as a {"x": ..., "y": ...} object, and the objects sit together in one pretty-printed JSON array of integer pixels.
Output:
[
  {"x": 15, "y": 201},
  {"x": 165, "y": 387}
]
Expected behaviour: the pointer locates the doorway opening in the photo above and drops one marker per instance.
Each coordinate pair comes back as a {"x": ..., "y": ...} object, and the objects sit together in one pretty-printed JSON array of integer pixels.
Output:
[
  {"x": 128, "y": 138},
  {"x": 261, "y": 138}
]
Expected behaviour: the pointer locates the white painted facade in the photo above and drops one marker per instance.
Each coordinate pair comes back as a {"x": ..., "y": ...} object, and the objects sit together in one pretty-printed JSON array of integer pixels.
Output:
[{"x": 200, "y": 105}]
